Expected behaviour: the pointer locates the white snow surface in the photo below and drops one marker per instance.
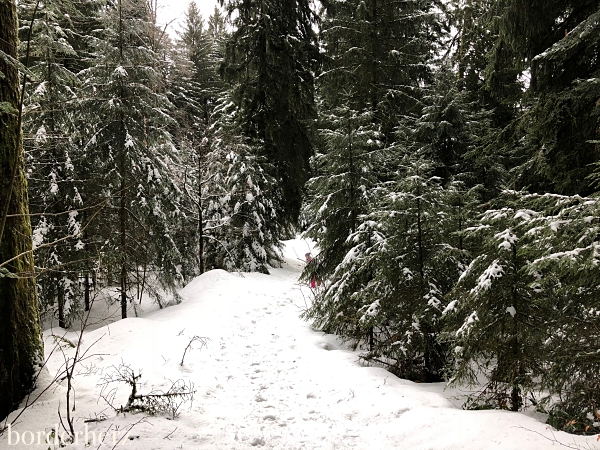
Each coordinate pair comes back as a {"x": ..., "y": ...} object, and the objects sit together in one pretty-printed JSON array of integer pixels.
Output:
[{"x": 266, "y": 380}]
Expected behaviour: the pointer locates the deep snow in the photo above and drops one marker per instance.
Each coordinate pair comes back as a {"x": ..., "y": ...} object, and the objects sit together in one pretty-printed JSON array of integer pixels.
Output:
[{"x": 266, "y": 380}]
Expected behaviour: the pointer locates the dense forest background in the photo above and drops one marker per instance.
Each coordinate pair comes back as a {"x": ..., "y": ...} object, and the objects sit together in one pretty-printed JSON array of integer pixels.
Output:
[{"x": 444, "y": 156}]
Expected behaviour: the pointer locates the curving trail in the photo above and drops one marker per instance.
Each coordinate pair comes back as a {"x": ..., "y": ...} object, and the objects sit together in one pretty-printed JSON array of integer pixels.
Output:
[{"x": 266, "y": 380}]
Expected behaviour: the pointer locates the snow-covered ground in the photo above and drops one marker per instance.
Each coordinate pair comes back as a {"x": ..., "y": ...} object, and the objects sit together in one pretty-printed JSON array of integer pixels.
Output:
[{"x": 265, "y": 379}]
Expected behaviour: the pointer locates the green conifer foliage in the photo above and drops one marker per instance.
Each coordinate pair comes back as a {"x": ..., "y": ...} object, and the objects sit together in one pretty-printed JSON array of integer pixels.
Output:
[
  {"x": 56, "y": 178},
  {"x": 132, "y": 148},
  {"x": 375, "y": 56},
  {"x": 195, "y": 89},
  {"x": 239, "y": 201},
  {"x": 566, "y": 270},
  {"x": 453, "y": 131},
  {"x": 271, "y": 59},
  {"x": 416, "y": 267},
  {"x": 192, "y": 35},
  {"x": 365, "y": 207},
  {"x": 378, "y": 49},
  {"x": 495, "y": 312},
  {"x": 565, "y": 113},
  {"x": 387, "y": 292},
  {"x": 339, "y": 193},
  {"x": 543, "y": 64}
]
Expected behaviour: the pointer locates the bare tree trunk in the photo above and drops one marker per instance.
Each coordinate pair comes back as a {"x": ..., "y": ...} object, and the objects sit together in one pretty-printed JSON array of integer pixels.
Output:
[
  {"x": 123, "y": 220},
  {"x": 374, "y": 58},
  {"x": 86, "y": 298},
  {"x": 467, "y": 24},
  {"x": 123, "y": 206},
  {"x": 21, "y": 348},
  {"x": 200, "y": 218},
  {"x": 60, "y": 297}
]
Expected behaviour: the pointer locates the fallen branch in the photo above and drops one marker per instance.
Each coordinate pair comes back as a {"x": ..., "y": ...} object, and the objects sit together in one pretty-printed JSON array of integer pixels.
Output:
[
  {"x": 203, "y": 342},
  {"x": 556, "y": 441},
  {"x": 154, "y": 403}
]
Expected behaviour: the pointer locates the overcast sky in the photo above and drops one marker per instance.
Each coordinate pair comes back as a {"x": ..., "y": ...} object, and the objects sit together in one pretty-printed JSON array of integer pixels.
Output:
[{"x": 173, "y": 9}]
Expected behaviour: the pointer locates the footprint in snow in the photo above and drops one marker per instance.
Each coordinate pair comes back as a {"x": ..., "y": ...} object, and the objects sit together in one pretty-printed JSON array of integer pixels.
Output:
[
  {"x": 401, "y": 411},
  {"x": 326, "y": 346}
]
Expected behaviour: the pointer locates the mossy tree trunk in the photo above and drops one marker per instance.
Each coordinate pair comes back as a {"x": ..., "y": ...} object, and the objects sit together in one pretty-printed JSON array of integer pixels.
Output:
[{"x": 20, "y": 337}]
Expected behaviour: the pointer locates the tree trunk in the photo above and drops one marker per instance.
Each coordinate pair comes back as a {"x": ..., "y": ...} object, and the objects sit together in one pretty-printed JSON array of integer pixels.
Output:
[
  {"x": 516, "y": 401},
  {"x": 86, "y": 298},
  {"x": 200, "y": 218},
  {"x": 428, "y": 369},
  {"x": 123, "y": 205},
  {"x": 21, "y": 351},
  {"x": 467, "y": 23},
  {"x": 353, "y": 205},
  {"x": 374, "y": 58},
  {"x": 123, "y": 226},
  {"x": 60, "y": 296}
]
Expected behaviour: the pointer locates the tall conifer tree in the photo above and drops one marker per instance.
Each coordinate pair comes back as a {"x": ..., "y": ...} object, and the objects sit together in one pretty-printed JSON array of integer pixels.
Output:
[
  {"x": 555, "y": 46},
  {"x": 132, "y": 147},
  {"x": 51, "y": 141},
  {"x": 271, "y": 58}
]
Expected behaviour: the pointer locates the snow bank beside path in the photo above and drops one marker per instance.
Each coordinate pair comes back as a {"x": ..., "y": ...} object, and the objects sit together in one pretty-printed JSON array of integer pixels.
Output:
[{"x": 265, "y": 380}]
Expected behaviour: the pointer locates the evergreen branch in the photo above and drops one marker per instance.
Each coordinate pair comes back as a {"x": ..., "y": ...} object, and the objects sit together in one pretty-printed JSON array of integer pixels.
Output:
[
  {"x": 62, "y": 213},
  {"x": 50, "y": 244}
]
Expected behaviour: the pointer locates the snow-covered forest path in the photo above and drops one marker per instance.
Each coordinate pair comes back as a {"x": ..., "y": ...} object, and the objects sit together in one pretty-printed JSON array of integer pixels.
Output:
[
  {"x": 265, "y": 379},
  {"x": 280, "y": 385}
]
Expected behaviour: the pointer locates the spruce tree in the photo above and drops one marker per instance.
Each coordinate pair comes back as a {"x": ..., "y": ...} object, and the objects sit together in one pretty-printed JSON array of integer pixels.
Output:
[
  {"x": 374, "y": 63},
  {"x": 51, "y": 142},
  {"x": 564, "y": 116},
  {"x": 365, "y": 208},
  {"x": 271, "y": 59},
  {"x": 216, "y": 26},
  {"x": 340, "y": 191},
  {"x": 453, "y": 131},
  {"x": 132, "y": 149},
  {"x": 239, "y": 201},
  {"x": 565, "y": 268},
  {"x": 388, "y": 291},
  {"x": 379, "y": 50},
  {"x": 192, "y": 34},
  {"x": 415, "y": 219},
  {"x": 195, "y": 89},
  {"x": 494, "y": 316},
  {"x": 552, "y": 119}
]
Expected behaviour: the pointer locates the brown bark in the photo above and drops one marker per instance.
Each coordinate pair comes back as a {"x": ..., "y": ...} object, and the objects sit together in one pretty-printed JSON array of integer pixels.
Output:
[
  {"x": 21, "y": 348},
  {"x": 467, "y": 24},
  {"x": 374, "y": 58},
  {"x": 200, "y": 218},
  {"x": 86, "y": 298},
  {"x": 123, "y": 225},
  {"x": 122, "y": 173}
]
